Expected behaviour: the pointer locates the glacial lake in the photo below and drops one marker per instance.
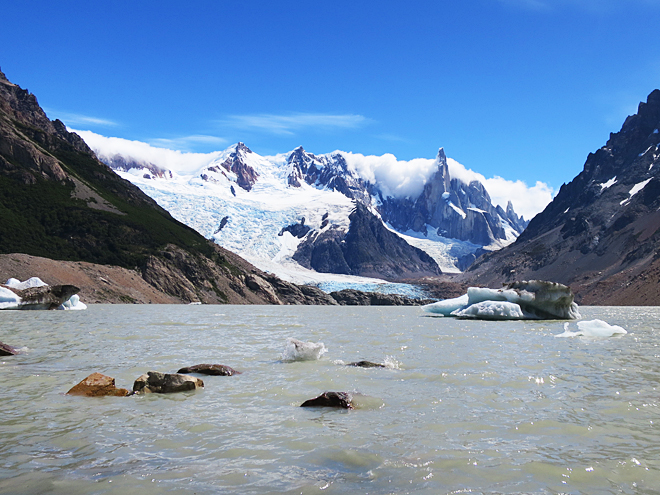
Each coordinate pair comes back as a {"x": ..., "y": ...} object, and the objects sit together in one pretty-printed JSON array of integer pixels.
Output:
[{"x": 464, "y": 406}]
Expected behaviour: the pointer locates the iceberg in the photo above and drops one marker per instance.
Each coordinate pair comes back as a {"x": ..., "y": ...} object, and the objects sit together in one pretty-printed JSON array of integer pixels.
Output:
[
  {"x": 593, "y": 329},
  {"x": 533, "y": 299},
  {"x": 36, "y": 294}
]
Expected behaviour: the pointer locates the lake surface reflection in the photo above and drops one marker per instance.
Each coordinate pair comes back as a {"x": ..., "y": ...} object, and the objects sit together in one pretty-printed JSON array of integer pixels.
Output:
[{"x": 464, "y": 407}]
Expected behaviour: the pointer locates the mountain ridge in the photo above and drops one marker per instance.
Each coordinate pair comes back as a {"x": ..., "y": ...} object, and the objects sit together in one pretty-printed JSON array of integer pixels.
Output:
[
  {"x": 58, "y": 201},
  {"x": 601, "y": 232},
  {"x": 453, "y": 222}
]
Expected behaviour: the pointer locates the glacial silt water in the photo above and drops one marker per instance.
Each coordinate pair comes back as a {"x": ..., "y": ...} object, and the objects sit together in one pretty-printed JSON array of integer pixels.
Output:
[{"x": 462, "y": 407}]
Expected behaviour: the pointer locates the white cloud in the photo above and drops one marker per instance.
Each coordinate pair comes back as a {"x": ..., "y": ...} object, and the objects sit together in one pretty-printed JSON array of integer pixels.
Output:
[
  {"x": 287, "y": 124},
  {"x": 177, "y": 161},
  {"x": 401, "y": 178},
  {"x": 527, "y": 201},
  {"x": 78, "y": 119}
]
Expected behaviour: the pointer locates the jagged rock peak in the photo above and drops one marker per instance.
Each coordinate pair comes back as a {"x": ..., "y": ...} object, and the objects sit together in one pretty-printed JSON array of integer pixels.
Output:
[
  {"x": 241, "y": 148},
  {"x": 441, "y": 156},
  {"x": 4, "y": 79}
]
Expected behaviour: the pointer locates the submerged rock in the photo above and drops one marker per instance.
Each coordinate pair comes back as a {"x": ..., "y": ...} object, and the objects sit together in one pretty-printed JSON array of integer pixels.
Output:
[
  {"x": 98, "y": 385},
  {"x": 342, "y": 400},
  {"x": 366, "y": 364},
  {"x": 533, "y": 299},
  {"x": 165, "y": 383},
  {"x": 7, "y": 350},
  {"x": 210, "y": 369}
]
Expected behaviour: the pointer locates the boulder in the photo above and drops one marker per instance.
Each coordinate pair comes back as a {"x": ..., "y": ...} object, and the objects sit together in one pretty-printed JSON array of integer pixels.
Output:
[
  {"x": 165, "y": 383},
  {"x": 98, "y": 385},
  {"x": 366, "y": 364},
  {"x": 342, "y": 400},
  {"x": 7, "y": 350},
  {"x": 210, "y": 369}
]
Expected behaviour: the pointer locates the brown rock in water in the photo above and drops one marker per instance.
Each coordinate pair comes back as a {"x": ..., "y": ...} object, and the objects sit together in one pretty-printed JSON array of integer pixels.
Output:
[
  {"x": 165, "y": 383},
  {"x": 98, "y": 385},
  {"x": 7, "y": 350},
  {"x": 366, "y": 364},
  {"x": 342, "y": 400},
  {"x": 210, "y": 369}
]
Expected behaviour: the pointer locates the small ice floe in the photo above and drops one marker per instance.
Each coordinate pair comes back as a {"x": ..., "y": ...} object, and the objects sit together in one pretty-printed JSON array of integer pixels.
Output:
[
  {"x": 533, "y": 299},
  {"x": 593, "y": 329},
  {"x": 297, "y": 350}
]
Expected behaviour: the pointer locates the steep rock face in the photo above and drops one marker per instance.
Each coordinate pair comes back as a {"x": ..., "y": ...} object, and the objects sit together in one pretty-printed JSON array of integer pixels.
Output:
[
  {"x": 246, "y": 175},
  {"x": 458, "y": 210},
  {"x": 331, "y": 172},
  {"x": 600, "y": 234},
  {"x": 366, "y": 249},
  {"x": 58, "y": 201}
]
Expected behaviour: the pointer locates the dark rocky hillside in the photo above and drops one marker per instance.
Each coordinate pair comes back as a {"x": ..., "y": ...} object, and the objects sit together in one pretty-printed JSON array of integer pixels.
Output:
[
  {"x": 367, "y": 249},
  {"x": 601, "y": 233},
  {"x": 58, "y": 201}
]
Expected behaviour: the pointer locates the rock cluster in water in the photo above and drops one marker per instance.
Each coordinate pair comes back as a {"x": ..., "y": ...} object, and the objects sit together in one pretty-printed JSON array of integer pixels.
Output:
[
  {"x": 7, "y": 350},
  {"x": 152, "y": 382},
  {"x": 210, "y": 369},
  {"x": 533, "y": 299},
  {"x": 343, "y": 400}
]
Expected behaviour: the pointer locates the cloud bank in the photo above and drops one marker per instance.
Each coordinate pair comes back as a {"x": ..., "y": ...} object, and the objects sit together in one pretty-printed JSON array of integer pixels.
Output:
[
  {"x": 402, "y": 178},
  {"x": 178, "y": 161}
]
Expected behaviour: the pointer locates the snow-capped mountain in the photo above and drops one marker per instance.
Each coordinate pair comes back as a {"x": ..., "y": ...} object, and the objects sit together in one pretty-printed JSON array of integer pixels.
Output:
[{"x": 299, "y": 212}]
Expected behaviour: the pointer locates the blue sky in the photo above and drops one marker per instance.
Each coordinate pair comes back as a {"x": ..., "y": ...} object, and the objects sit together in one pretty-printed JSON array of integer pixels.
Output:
[{"x": 522, "y": 89}]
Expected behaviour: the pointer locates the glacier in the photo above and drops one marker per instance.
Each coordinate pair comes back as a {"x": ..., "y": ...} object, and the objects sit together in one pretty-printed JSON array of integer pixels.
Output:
[{"x": 244, "y": 202}]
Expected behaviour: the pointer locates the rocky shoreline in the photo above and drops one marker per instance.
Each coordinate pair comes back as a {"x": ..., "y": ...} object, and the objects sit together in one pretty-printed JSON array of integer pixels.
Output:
[{"x": 104, "y": 284}]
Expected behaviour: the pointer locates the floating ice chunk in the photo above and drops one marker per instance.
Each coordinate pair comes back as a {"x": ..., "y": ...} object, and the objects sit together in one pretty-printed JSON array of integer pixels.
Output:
[
  {"x": 447, "y": 306},
  {"x": 297, "y": 350},
  {"x": 594, "y": 329},
  {"x": 492, "y": 310},
  {"x": 534, "y": 299},
  {"x": 73, "y": 303},
  {"x": 31, "y": 282},
  {"x": 537, "y": 298},
  {"x": 9, "y": 300}
]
